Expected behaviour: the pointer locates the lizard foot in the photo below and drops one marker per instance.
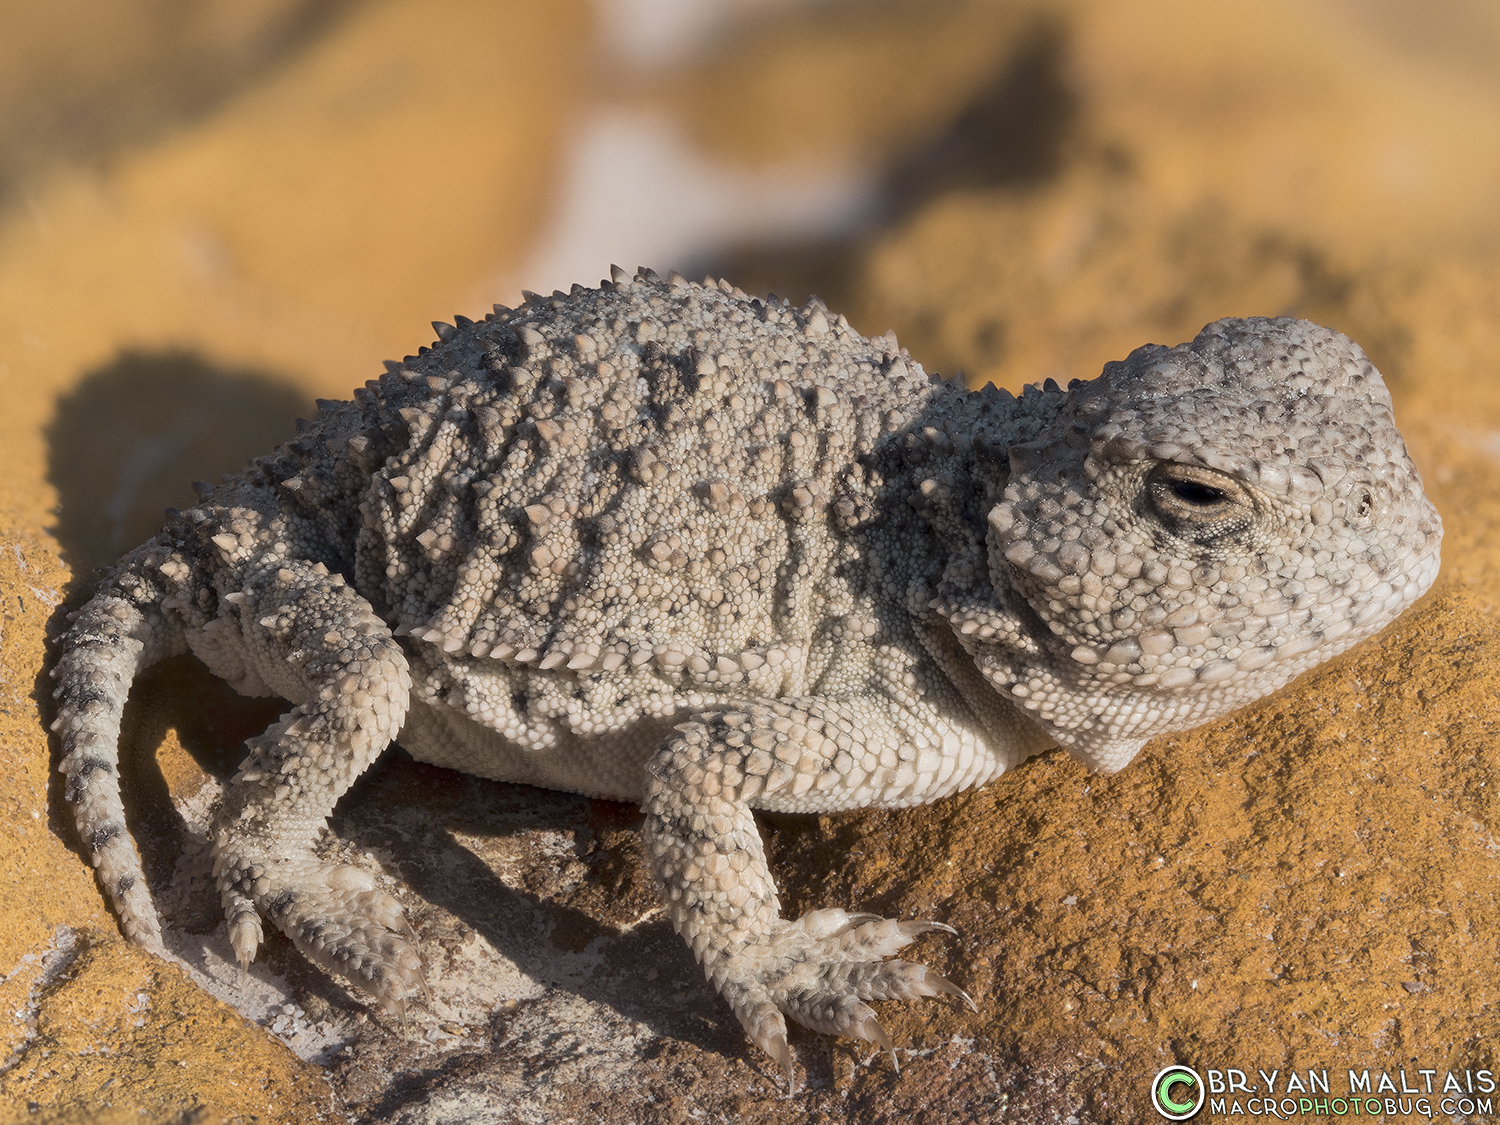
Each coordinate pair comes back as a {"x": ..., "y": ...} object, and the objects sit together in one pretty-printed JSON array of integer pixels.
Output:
[
  {"x": 339, "y": 920},
  {"x": 820, "y": 970}
]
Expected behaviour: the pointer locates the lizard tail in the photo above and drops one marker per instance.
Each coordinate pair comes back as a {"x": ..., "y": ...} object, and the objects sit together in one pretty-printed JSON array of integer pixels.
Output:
[{"x": 119, "y": 632}]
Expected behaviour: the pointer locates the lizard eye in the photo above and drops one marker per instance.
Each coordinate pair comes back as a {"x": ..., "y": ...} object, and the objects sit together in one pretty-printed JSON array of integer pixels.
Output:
[
  {"x": 1195, "y": 503},
  {"x": 1196, "y": 493}
]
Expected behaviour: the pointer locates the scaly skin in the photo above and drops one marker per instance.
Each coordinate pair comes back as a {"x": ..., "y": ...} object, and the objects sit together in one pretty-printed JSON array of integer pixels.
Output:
[{"x": 663, "y": 543}]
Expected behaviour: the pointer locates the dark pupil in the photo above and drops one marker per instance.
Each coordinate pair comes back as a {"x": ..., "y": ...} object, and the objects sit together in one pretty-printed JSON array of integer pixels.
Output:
[{"x": 1195, "y": 493}]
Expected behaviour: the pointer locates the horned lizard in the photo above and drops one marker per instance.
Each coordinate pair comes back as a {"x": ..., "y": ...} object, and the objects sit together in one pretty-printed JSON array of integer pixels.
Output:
[{"x": 664, "y": 543}]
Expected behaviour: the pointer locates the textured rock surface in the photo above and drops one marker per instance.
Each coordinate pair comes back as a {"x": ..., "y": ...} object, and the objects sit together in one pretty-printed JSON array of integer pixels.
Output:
[{"x": 1188, "y": 234}]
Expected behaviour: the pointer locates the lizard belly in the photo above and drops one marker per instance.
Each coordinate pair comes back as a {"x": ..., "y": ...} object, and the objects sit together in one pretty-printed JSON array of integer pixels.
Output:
[{"x": 610, "y": 765}]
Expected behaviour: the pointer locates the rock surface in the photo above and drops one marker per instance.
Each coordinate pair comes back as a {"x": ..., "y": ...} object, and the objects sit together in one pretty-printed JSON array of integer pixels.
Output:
[{"x": 1310, "y": 883}]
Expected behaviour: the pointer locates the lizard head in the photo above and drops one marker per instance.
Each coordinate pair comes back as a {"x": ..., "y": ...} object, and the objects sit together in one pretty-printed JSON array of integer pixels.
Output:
[{"x": 1199, "y": 525}]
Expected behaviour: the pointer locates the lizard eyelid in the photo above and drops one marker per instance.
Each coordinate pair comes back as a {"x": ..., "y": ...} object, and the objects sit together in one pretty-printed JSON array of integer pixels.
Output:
[{"x": 1197, "y": 503}]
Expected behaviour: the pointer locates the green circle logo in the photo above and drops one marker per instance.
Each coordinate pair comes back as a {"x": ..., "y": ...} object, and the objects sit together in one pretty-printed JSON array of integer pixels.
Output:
[{"x": 1177, "y": 1092}]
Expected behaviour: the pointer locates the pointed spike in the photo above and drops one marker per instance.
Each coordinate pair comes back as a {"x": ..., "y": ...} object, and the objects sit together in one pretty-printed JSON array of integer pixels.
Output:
[
  {"x": 444, "y": 330},
  {"x": 501, "y": 310},
  {"x": 618, "y": 275},
  {"x": 462, "y": 321}
]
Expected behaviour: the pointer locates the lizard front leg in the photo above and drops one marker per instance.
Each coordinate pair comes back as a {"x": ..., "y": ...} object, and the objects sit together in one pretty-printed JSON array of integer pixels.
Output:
[{"x": 808, "y": 755}]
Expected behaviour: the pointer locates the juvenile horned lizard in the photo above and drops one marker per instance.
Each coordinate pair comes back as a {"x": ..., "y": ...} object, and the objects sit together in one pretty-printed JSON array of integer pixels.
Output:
[{"x": 663, "y": 543}]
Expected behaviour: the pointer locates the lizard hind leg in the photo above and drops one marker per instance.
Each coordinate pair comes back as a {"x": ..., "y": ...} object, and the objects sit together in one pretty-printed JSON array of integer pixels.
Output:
[{"x": 319, "y": 644}]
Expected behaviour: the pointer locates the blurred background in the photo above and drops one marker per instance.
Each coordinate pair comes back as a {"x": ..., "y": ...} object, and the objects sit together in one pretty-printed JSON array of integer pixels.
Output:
[
  {"x": 213, "y": 212},
  {"x": 216, "y": 210}
]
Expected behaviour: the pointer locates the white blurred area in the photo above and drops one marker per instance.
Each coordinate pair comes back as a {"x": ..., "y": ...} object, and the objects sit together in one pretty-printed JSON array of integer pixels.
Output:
[
  {"x": 636, "y": 191},
  {"x": 646, "y": 34}
]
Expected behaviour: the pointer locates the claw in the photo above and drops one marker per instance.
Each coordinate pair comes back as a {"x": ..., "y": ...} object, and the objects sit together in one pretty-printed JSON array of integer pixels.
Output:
[
  {"x": 244, "y": 939},
  {"x": 780, "y": 1050},
  {"x": 855, "y": 921},
  {"x": 941, "y": 985},
  {"x": 912, "y": 929},
  {"x": 410, "y": 935},
  {"x": 870, "y": 1029}
]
